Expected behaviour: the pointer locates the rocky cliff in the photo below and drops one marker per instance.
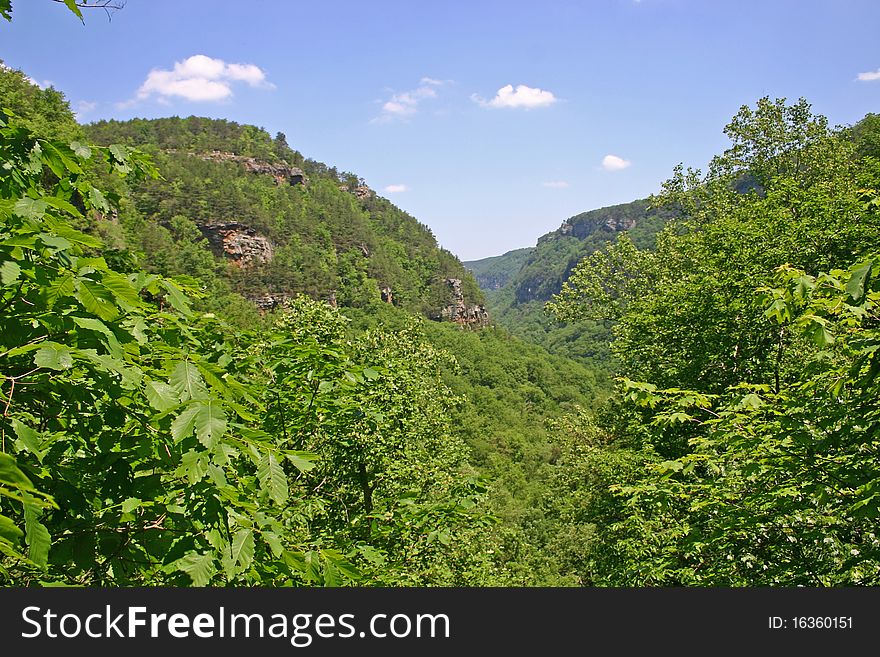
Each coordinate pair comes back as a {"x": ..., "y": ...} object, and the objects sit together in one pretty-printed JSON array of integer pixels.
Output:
[
  {"x": 472, "y": 316},
  {"x": 281, "y": 171},
  {"x": 238, "y": 243}
]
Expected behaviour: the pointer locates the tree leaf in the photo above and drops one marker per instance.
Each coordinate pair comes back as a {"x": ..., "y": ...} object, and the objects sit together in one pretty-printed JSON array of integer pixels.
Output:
[
  {"x": 11, "y": 475},
  {"x": 272, "y": 478},
  {"x": 176, "y": 298},
  {"x": 119, "y": 152},
  {"x": 98, "y": 200},
  {"x": 199, "y": 567},
  {"x": 71, "y": 4},
  {"x": 194, "y": 466},
  {"x": 61, "y": 286},
  {"x": 210, "y": 422},
  {"x": 302, "y": 461},
  {"x": 816, "y": 328},
  {"x": 275, "y": 543},
  {"x": 66, "y": 206},
  {"x": 372, "y": 555},
  {"x": 241, "y": 553},
  {"x": 9, "y": 272},
  {"x": 341, "y": 564},
  {"x": 53, "y": 356},
  {"x": 62, "y": 154},
  {"x": 9, "y": 530},
  {"x": 96, "y": 299},
  {"x": 92, "y": 324},
  {"x": 81, "y": 150},
  {"x": 122, "y": 289},
  {"x": 29, "y": 208},
  {"x": 161, "y": 396},
  {"x": 187, "y": 382},
  {"x": 28, "y": 438},
  {"x": 182, "y": 426},
  {"x": 55, "y": 242},
  {"x": 36, "y": 536},
  {"x": 855, "y": 287}
]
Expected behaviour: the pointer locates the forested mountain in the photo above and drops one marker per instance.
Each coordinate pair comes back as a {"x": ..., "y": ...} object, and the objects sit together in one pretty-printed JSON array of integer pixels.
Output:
[
  {"x": 519, "y": 283},
  {"x": 494, "y": 273},
  {"x": 243, "y": 210},
  {"x": 318, "y": 449},
  {"x": 220, "y": 364}
]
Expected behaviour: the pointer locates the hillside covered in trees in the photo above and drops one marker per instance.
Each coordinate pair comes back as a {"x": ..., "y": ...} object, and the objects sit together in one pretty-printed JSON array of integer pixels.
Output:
[
  {"x": 157, "y": 336},
  {"x": 223, "y": 363}
]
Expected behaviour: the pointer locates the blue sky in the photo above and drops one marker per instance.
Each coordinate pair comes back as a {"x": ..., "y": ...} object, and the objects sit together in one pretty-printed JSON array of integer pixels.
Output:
[{"x": 491, "y": 122}]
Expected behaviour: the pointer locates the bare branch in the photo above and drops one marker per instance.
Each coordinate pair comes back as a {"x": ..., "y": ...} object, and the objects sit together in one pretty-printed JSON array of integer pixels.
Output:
[{"x": 107, "y": 5}]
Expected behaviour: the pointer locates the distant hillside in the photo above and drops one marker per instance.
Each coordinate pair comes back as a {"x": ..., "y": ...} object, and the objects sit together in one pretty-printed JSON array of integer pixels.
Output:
[
  {"x": 495, "y": 272},
  {"x": 245, "y": 212},
  {"x": 557, "y": 253},
  {"x": 518, "y": 283}
]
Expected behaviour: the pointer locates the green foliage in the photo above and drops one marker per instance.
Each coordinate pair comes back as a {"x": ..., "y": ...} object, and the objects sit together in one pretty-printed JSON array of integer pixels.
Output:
[
  {"x": 43, "y": 111},
  {"x": 748, "y": 387},
  {"x": 777, "y": 487},
  {"x": 148, "y": 443},
  {"x": 687, "y": 312}
]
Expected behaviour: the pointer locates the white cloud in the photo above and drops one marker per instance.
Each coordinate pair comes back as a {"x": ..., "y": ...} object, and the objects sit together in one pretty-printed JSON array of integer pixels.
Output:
[
  {"x": 869, "y": 76},
  {"x": 200, "y": 78},
  {"x": 614, "y": 163},
  {"x": 395, "y": 189},
  {"x": 556, "y": 184},
  {"x": 84, "y": 107},
  {"x": 522, "y": 97},
  {"x": 406, "y": 103}
]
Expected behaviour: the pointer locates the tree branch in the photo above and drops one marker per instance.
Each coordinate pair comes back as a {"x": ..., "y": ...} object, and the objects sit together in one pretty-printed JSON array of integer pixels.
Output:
[{"x": 107, "y": 5}]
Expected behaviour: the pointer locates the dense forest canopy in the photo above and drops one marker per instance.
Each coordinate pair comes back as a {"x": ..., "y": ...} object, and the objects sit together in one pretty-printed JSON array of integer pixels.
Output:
[{"x": 224, "y": 363}]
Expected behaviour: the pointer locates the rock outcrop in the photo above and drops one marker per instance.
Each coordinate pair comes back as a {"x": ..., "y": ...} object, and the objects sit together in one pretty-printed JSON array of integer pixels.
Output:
[
  {"x": 268, "y": 302},
  {"x": 473, "y": 316},
  {"x": 238, "y": 243},
  {"x": 614, "y": 219},
  {"x": 274, "y": 300},
  {"x": 361, "y": 192},
  {"x": 281, "y": 171}
]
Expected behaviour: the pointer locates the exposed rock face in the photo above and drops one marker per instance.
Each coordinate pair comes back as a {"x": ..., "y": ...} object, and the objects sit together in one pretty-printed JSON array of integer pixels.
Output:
[
  {"x": 273, "y": 300},
  {"x": 362, "y": 192},
  {"x": 269, "y": 301},
  {"x": 238, "y": 243},
  {"x": 584, "y": 228},
  {"x": 283, "y": 173},
  {"x": 474, "y": 316}
]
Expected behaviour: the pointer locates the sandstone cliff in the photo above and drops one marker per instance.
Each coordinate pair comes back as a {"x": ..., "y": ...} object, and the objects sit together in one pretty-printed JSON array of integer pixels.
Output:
[{"x": 238, "y": 243}]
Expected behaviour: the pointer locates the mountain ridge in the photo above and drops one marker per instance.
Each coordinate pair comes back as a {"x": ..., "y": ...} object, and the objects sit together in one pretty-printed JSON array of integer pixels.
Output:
[{"x": 276, "y": 223}]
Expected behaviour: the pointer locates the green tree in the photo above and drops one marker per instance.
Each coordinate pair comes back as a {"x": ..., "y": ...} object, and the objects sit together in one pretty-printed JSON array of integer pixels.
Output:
[{"x": 743, "y": 352}]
